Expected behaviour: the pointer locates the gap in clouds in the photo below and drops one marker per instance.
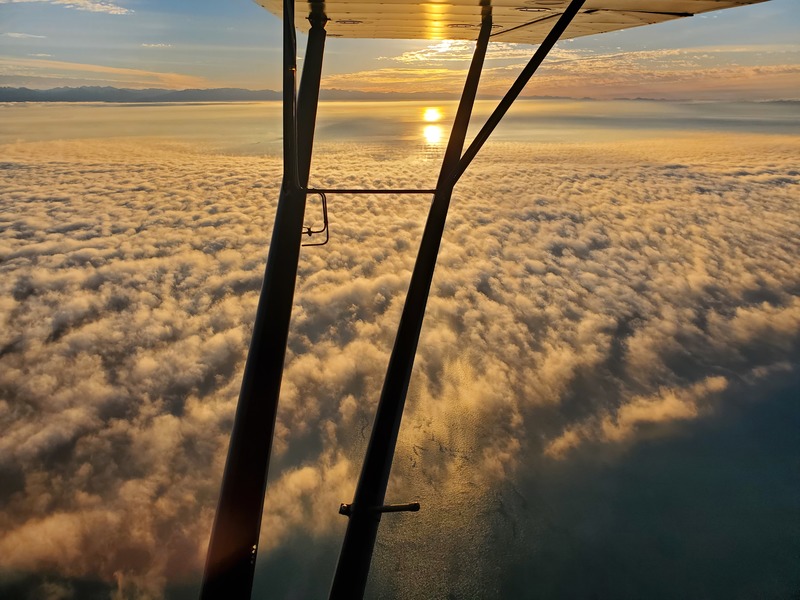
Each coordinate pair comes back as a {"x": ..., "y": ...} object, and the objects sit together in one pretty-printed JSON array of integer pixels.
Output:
[{"x": 593, "y": 300}]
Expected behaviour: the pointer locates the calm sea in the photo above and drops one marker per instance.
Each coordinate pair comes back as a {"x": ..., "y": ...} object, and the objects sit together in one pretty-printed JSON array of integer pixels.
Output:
[{"x": 255, "y": 128}]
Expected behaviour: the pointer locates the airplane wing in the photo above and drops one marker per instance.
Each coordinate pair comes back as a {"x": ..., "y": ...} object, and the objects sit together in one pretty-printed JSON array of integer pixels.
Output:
[{"x": 517, "y": 21}]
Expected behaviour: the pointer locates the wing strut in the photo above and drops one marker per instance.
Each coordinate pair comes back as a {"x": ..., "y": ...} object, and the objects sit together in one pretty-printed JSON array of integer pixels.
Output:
[
  {"x": 231, "y": 557},
  {"x": 232, "y": 550},
  {"x": 365, "y": 512}
]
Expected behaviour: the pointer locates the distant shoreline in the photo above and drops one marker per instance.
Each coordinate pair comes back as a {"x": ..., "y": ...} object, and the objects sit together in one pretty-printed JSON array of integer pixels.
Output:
[{"x": 113, "y": 95}]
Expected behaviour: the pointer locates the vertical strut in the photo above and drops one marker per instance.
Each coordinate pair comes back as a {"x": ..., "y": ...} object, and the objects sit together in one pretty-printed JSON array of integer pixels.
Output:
[
  {"x": 352, "y": 570},
  {"x": 231, "y": 558},
  {"x": 308, "y": 96}
]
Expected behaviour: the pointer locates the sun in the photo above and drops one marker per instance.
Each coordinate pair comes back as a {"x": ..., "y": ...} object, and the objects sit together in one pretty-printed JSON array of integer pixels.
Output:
[{"x": 432, "y": 114}]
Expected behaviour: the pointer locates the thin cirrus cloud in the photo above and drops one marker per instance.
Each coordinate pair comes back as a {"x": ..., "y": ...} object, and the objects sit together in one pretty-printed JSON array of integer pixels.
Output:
[
  {"x": 23, "y": 36},
  {"x": 85, "y": 5},
  {"x": 54, "y": 69},
  {"x": 459, "y": 50},
  {"x": 605, "y": 296}
]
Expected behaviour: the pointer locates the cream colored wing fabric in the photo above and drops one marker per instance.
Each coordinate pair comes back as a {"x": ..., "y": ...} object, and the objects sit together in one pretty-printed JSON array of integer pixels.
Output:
[{"x": 518, "y": 21}]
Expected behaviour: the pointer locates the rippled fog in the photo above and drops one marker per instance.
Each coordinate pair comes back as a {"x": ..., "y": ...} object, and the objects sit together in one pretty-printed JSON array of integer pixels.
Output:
[{"x": 605, "y": 395}]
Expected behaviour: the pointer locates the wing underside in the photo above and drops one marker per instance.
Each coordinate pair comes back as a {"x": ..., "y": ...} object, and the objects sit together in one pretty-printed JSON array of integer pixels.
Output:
[{"x": 516, "y": 21}]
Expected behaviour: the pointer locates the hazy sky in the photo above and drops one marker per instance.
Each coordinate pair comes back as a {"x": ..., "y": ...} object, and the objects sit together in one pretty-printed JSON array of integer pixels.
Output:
[{"x": 743, "y": 53}]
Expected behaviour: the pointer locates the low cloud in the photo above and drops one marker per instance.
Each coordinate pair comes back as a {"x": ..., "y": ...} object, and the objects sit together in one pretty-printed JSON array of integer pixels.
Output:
[{"x": 602, "y": 293}]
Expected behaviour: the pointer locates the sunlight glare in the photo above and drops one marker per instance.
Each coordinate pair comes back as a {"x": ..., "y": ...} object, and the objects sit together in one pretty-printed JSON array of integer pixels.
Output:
[
  {"x": 433, "y": 134},
  {"x": 432, "y": 114}
]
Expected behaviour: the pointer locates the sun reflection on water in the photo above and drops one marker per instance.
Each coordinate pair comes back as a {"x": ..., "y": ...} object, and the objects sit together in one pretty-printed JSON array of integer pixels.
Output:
[{"x": 432, "y": 133}]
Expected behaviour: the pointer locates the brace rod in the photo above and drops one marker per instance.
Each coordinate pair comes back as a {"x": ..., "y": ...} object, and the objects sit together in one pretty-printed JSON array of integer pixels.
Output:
[
  {"x": 346, "y": 509},
  {"x": 355, "y": 192},
  {"x": 514, "y": 91},
  {"x": 352, "y": 570},
  {"x": 231, "y": 557},
  {"x": 290, "y": 160}
]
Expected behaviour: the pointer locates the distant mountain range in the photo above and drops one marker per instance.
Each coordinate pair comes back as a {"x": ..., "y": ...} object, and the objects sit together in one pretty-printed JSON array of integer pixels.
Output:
[{"x": 112, "y": 94}]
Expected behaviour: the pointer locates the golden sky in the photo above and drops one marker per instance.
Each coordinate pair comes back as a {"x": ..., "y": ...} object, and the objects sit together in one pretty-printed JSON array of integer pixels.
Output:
[{"x": 744, "y": 53}]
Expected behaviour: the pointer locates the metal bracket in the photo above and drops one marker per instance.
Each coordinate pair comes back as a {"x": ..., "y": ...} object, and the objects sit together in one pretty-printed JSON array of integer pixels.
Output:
[
  {"x": 310, "y": 232},
  {"x": 322, "y": 193},
  {"x": 347, "y": 509}
]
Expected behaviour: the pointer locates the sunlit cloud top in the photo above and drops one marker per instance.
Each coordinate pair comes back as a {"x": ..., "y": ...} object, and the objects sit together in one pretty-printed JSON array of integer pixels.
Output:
[{"x": 605, "y": 293}]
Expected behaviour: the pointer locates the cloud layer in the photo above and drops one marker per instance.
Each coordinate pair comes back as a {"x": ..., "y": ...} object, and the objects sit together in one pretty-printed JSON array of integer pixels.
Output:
[
  {"x": 11, "y": 68},
  {"x": 586, "y": 296}
]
